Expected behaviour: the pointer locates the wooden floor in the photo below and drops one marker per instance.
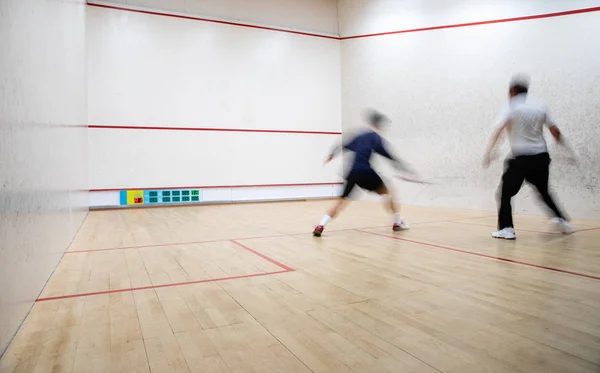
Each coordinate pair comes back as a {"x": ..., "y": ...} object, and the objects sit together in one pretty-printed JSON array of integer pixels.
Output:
[{"x": 246, "y": 288}]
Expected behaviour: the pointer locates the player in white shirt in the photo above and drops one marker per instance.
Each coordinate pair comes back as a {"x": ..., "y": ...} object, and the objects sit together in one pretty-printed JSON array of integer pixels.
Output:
[{"x": 524, "y": 121}]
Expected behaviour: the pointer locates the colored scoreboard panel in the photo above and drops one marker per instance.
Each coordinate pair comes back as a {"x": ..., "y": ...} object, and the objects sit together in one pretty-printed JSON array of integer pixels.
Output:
[{"x": 154, "y": 197}]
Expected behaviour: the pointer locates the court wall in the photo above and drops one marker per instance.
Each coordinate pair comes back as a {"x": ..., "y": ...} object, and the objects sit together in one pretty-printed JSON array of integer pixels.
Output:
[
  {"x": 444, "y": 87},
  {"x": 43, "y": 146},
  {"x": 241, "y": 113}
]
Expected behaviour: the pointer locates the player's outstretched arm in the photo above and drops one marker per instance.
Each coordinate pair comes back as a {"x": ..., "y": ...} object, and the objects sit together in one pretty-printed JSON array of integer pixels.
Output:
[
  {"x": 558, "y": 136},
  {"x": 334, "y": 152},
  {"x": 487, "y": 157}
]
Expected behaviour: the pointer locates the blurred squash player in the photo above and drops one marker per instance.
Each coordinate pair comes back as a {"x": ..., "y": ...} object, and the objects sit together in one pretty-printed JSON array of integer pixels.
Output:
[
  {"x": 363, "y": 175},
  {"x": 524, "y": 120}
]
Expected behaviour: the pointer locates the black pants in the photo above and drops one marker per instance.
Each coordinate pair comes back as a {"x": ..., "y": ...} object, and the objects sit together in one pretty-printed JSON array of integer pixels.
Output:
[
  {"x": 367, "y": 180},
  {"x": 536, "y": 170}
]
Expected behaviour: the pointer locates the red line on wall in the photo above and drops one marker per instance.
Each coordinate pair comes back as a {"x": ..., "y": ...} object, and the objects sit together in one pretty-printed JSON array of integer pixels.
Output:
[
  {"x": 469, "y": 24},
  {"x": 213, "y": 21},
  {"x": 432, "y": 28},
  {"x": 216, "y": 186},
  {"x": 208, "y": 129},
  {"x": 483, "y": 255}
]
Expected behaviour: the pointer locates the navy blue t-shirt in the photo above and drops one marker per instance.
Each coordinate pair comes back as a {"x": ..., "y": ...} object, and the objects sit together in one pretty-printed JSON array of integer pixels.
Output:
[{"x": 364, "y": 146}]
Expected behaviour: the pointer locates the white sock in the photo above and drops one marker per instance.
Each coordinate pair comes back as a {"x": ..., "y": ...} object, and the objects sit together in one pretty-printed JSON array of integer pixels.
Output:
[
  {"x": 326, "y": 219},
  {"x": 397, "y": 219}
]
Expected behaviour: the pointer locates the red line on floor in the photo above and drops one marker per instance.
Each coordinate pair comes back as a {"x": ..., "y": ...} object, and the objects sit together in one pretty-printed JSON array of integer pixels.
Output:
[
  {"x": 483, "y": 255},
  {"x": 523, "y": 229},
  {"x": 206, "y": 241},
  {"x": 469, "y": 24},
  {"x": 283, "y": 266},
  {"x": 253, "y": 237},
  {"x": 145, "y": 246},
  {"x": 161, "y": 286},
  {"x": 587, "y": 229},
  {"x": 159, "y": 128},
  {"x": 493, "y": 226},
  {"x": 213, "y": 21},
  {"x": 217, "y": 186}
]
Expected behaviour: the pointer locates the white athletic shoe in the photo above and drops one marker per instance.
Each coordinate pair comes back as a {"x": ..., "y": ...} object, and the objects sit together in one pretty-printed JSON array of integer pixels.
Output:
[
  {"x": 506, "y": 233},
  {"x": 562, "y": 225}
]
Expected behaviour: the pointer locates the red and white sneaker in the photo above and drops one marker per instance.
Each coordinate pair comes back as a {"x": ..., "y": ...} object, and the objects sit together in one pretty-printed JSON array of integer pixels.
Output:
[
  {"x": 401, "y": 226},
  {"x": 318, "y": 231}
]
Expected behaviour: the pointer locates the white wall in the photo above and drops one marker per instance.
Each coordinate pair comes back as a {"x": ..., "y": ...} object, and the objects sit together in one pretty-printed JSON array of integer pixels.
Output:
[
  {"x": 147, "y": 70},
  {"x": 43, "y": 146},
  {"x": 444, "y": 88},
  {"x": 319, "y": 16}
]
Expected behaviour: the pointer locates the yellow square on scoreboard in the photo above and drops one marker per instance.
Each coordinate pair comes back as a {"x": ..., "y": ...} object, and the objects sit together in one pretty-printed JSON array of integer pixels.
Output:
[{"x": 135, "y": 197}]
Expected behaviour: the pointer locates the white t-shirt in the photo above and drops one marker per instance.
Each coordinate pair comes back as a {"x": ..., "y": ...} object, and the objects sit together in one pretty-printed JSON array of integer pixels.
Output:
[{"x": 526, "y": 128}]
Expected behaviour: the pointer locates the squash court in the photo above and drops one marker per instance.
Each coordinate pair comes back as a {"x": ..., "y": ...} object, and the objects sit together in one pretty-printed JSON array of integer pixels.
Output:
[{"x": 162, "y": 290}]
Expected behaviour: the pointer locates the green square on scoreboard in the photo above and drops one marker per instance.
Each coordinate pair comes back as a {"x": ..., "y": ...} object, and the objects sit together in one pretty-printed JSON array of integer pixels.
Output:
[
  {"x": 176, "y": 199},
  {"x": 195, "y": 198},
  {"x": 166, "y": 193},
  {"x": 153, "y": 200},
  {"x": 176, "y": 192},
  {"x": 185, "y": 199},
  {"x": 195, "y": 192},
  {"x": 166, "y": 199},
  {"x": 185, "y": 192},
  {"x": 153, "y": 194}
]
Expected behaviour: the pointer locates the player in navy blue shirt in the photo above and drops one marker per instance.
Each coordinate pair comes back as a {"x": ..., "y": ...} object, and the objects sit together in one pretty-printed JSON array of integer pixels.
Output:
[{"x": 362, "y": 174}]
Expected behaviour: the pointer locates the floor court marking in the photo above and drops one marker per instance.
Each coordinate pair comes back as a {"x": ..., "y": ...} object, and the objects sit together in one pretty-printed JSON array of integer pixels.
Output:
[
  {"x": 587, "y": 229},
  {"x": 284, "y": 269},
  {"x": 522, "y": 229},
  {"x": 483, "y": 255},
  {"x": 257, "y": 237},
  {"x": 280, "y": 265}
]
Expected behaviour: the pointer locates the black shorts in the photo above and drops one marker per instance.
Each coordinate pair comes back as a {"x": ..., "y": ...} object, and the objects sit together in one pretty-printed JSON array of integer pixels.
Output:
[{"x": 368, "y": 180}]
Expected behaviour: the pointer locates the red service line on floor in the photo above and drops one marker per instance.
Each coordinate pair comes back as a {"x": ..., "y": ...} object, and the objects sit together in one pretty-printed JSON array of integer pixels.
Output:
[
  {"x": 482, "y": 255},
  {"x": 586, "y": 229},
  {"x": 494, "y": 227},
  {"x": 282, "y": 266},
  {"x": 523, "y": 229},
  {"x": 257, "y": 237},
  {"x": 284, "y": 269},
  {"x": 160, "y": 286}
]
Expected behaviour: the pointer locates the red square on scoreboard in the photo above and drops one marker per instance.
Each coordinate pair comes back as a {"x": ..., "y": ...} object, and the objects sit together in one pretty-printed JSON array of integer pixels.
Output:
[{"x": 138, "y": 200}]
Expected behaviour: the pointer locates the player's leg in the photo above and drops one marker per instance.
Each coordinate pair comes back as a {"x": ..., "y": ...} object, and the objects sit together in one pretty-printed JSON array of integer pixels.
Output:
[
  {"x": 392, "y": 206},
  {"x": 512, "y": 180},
  {"x": 335, "y": 209},
  {"x": 372, "y": 182},
  {"x": 538, "y": 176}
]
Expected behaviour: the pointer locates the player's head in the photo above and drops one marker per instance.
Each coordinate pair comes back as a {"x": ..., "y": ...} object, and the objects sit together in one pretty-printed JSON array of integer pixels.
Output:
[
  {"x": 376, "y": 119},
  {"x": 518, "y": 85}
]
